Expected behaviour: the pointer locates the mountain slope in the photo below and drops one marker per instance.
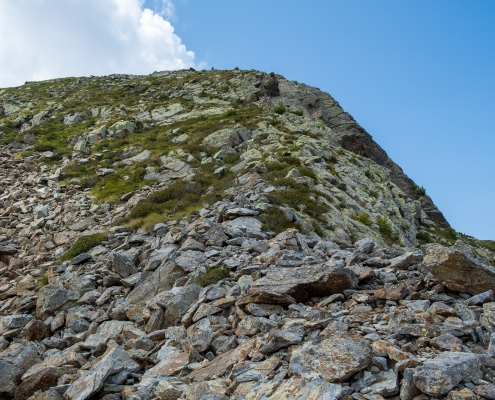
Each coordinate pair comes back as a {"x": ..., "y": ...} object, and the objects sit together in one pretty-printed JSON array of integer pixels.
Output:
[
  {"x": 225, "y": 235},
  {"x": 95, "y": 126}
]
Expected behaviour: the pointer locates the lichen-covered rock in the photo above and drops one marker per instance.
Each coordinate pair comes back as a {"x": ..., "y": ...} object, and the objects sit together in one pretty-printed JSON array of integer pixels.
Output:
[
  {"x": 334, "y": 356},
  {"x": 458, "y": 270},
  {"x": 438, "y": 376},
  {"x": 229, "y": 137}
]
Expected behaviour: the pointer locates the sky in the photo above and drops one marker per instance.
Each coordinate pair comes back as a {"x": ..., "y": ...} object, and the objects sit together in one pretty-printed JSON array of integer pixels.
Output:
[{"x": 418, "y": 75}]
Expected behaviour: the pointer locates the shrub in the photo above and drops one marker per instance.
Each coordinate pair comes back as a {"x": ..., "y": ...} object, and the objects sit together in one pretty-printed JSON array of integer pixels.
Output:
[
  {"x": 83, "y": 245},
  {"x": 211, "y": 276},
  {"x": 231, "y": 112},
  {"x": 41, "y": 147},
  {"x": 385, "y": 227},
  {"x": 280, "y": 108},
  {"x": 423, "y": 237},
  {"x": 318, "y": 229},
  {"x": 420, "y": 191},
  {"x": 275, "y": 122},
  {"x": 273, "y": 219},
  {"x": 298, "y": 112},
  {"x": 368, "y": 174},
  {"x": 363, "y": 217}
]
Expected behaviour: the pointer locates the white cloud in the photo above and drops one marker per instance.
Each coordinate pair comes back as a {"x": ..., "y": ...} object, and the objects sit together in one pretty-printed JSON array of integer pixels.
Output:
[{"x": 44, "y": 39}]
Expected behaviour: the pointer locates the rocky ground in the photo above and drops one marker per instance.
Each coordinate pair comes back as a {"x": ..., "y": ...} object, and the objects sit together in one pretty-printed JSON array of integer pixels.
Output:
[{"x": 225, "y": 301}]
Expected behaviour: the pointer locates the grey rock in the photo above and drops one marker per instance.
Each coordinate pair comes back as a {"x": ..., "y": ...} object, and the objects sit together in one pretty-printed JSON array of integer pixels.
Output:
[
  {"x": 15, "y": 321},
  {"x": 178, "y": 300},
  {"x": 14, "y": 362},
  {"x": 114, "y": 361},
  {"x": 458, "y": 270},
  {"x": 306, "y": 281},
  {"x": 438, "y": 376},
  {"x": 335, "y": 357},
  {"x": 123, "y": 265}
]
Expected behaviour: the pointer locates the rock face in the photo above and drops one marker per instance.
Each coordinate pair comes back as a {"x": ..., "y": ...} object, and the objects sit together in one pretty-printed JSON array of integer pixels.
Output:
[
  {"x": 459, "y": 271},
  {"x": 225, "y": 235}
]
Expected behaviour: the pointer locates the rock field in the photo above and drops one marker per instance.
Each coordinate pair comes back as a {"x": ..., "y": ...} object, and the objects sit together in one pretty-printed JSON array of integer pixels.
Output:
[{"x": 225, "y": 235}]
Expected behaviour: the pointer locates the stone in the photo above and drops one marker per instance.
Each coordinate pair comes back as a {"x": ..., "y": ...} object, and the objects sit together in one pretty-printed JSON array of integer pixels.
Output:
[
  {"x": 480, "y": 298},
  {"x": 178, "y": 300},
  {"x": 392, "y": 292},
  {"x": 123, "y": 265},
  {"x": 171, "y": 365},
  {"x": 229, "y": 137},
  {"x": 406, "y": 260},
  {"x": 386, "y": 383},
  {"x": 281, "y": 338},
  {"x": 14, "y": 362},
  {"x": 15, "y": 321},
  {"x": 114, "y": 361},
  {"x": 223, "y": 362},
  {"x": 199, "y": 335},
  {"x": 335, "y": 357},
  {"x": 121, "y": 129},
  {"x": 191, "y": 260},
  {"x": 438, "y": 376},
  {"x": 306, "y": 281},
  {"x": 51, "y": 298},
  {"x": 458, "y": 270},
  {"x": 35, "y": 330}
]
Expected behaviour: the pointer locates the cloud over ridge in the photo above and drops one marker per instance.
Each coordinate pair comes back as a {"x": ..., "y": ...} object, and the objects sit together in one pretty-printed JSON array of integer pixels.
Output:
[{"x": 44, "y": 39}]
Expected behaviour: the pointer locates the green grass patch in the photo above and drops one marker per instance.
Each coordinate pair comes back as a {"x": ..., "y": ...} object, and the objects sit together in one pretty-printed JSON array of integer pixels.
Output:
[
  {"x": 83, "y": 244},
  {"x": 363, "y": 218},
  {"x": 212, "y": 276}
]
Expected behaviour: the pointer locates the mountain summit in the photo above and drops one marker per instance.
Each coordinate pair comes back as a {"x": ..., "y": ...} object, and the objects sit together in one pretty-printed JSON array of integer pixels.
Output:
[{"x": 225, "y": 234}]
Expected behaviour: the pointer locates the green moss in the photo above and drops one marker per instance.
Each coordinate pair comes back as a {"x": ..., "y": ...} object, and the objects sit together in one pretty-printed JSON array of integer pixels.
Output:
[
  {"x": 83, "y": 245},
  {"x": 212, "y": 276},
  {"x": 363, "y": 217},
  {"x": 297, "y": 112}
]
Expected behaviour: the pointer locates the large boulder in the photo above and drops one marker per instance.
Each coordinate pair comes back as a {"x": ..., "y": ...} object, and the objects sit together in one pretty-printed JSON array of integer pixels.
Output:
[
  {"x": 114, "y": 361},
  {"x": 52, "y": 298},
  {"x": 14, "y": 362},
  {"x": 437, "y": 377},
  {"x": 229, "y": 137},
  {"x": 306, "y": 281},
  {"x": 334, "y": 357},
  {"x": 458, "y": 270}
]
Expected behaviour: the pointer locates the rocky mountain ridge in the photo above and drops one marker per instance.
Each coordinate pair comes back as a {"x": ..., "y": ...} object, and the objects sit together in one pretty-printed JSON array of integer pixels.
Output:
[{"x": 225, "y": 234}]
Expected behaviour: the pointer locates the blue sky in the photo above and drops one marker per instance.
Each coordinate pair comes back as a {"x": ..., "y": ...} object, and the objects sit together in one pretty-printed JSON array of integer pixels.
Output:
[{"x": 418, "y": 75}]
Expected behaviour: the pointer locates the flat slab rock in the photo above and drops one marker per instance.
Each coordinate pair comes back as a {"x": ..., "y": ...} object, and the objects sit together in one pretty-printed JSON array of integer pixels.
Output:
[
  {"x": 458, "y": 271},
  {"x": 335, "y": 357},
  {"x": 294, "y": 388},
  {"x": 306, "y": 281}
]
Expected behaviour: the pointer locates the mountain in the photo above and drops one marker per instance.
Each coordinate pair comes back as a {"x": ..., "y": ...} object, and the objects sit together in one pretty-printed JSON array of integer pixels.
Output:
[{"x": 224, "y": 234}]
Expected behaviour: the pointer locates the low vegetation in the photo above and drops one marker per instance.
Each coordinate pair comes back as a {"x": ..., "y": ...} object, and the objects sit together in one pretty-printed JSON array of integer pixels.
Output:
[
  {"x": 84, "y": 244},
  {"x": 212, "y": 276}
]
